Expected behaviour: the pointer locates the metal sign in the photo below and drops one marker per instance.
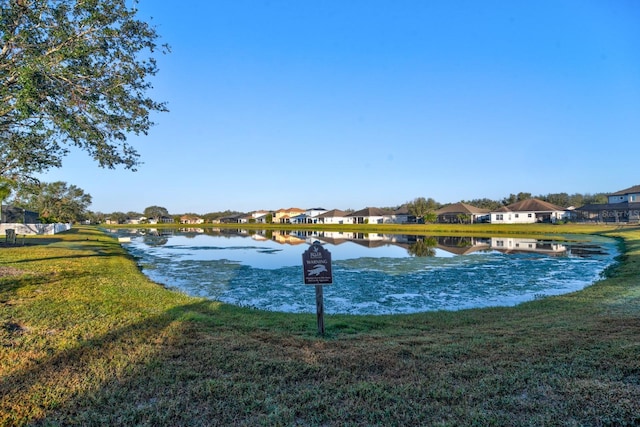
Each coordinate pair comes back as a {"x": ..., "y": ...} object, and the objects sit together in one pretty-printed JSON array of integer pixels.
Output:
[{"x": 316, "y": 265}]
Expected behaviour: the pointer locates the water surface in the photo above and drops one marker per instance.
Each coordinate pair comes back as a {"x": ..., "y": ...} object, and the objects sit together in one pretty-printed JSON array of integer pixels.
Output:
[{"x": 372, "y": 273}]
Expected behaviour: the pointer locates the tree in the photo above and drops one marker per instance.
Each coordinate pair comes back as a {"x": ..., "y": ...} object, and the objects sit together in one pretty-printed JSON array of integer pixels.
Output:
[
  {"x": 134, "y": 215},
  {"x": 5, "y": 190},
  {"x": 96, "y": 217},
  {"x": 156, "y": 212},
  {"x": 514, "y": 198},
  {"x": 119, "y": 217},
  {"x": 55, "y": 202},
  {"x": 72, "y": 73},
  {"x": 463, "y": 218},
  {"x": 484, "y": 203},
  {"x": 430, "y": 217},
  {"x": 560, "y": 199},
  {"x": 420, "y": 206}
]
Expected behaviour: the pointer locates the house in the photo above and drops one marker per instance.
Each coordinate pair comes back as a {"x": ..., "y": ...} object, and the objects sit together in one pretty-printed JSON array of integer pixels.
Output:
[
  {"x": 622, "y": 206},
  {"x": 334, "y": 216},
  {"x": 245, "y": 219},
  {"x": 462, "y": 213},
  {"x": 283, "y": 216},
  {"x": 528, "y": 212},
  {"x": 401, "y": 216},
  {"x": 15, "y": 221},
  {"x": 370, "y": 216},
  {"x": 191, "y": 219},
  {"x": 135, "y": 221},
  {"x": 161, "y": 220},
  {"x": 14, "y": 214},
  {"x": 259, "y": 217},
  {"x": 628, "y": 195},
  {"x": 314, "y": 213},
  {"x": 303, "y": 218}
]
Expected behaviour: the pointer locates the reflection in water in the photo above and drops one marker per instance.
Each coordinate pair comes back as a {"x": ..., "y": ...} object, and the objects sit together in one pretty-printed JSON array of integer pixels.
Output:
[
  {"x": 373, "y": 273},
  {"x": 425, "y": 246}
]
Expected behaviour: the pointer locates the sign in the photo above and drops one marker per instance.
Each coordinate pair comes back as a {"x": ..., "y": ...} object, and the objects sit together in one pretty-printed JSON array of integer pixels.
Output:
[
  {"x": 316, "y": 265},
  {"x": 316, "y": 268}
]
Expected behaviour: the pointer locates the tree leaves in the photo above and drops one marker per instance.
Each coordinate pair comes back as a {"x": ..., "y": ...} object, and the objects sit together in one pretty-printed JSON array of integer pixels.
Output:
[
  {"x": 55, "y": 202},
  {"x": 73, "y": 73}
]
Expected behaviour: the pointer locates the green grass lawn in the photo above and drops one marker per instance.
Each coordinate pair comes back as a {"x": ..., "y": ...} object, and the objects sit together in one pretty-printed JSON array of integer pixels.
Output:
[{"x": 86, "y": 339}]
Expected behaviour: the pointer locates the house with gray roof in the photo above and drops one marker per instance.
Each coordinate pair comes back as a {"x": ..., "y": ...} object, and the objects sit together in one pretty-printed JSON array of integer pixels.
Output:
[
  {"x": 334, "y": 216},
  {"x": 462, "y": 213},
  {"x": 402, "y": 216},
  {"x": 622, "y": 206},
  {"x": 370, "y": 216},
  {"x": 528, "y": 211}
]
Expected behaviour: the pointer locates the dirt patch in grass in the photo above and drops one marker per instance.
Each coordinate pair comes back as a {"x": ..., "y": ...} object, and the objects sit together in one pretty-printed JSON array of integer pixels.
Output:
[{"x": 9, "y": 271}]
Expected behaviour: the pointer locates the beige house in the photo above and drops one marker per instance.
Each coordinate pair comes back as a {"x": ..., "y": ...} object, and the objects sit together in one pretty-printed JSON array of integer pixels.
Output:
[{"x": 283, "y": 216}]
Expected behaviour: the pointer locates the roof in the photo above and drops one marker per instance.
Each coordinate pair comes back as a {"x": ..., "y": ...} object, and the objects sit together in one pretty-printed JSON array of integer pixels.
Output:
[
  {"x": 460, "y": 207},
  {"x": 597, "y": 207},
  {"x": 370, "y": 212},
  {"x": 534, "y": 205},
  {"x": 630, "y": 190},
  {"x": 291, "y": 210},
  {"x": 402, "y": 210},
  {"x": 332, "y": 214}
]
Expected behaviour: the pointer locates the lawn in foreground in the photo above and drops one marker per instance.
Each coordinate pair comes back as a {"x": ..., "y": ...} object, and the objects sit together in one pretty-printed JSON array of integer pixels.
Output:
[{"x": 86, "y": 339}]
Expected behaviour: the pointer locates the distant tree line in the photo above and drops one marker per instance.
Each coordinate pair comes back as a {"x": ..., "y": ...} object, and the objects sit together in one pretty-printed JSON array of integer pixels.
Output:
[{"x": 561, "y": 199}]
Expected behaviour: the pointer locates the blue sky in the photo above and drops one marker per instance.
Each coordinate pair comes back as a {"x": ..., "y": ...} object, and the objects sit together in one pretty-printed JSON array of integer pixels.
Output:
[{"x": 349, "y": 104}]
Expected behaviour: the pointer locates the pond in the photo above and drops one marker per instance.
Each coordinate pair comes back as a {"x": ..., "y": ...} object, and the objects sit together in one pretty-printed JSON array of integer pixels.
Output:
[{"x": 372, "y": 273}]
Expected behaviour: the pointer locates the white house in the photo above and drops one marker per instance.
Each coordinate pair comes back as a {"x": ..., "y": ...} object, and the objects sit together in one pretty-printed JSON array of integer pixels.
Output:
[
  {"x": 301, "y": 219},
  {"x": 528, "y": 211},
  {"x": 370, "y": 216},
  {"x": 334, "y": 216},
  {"x": 315, "y": 212}
]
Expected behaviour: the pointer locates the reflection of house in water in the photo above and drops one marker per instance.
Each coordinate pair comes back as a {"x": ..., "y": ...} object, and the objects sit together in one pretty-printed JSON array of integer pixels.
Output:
[
  {"x": 369, "y": 240},
  {"x": 463, "y": 245},
  {"x": 286, "y": 238},
  {"x": 514, "y": 245}
]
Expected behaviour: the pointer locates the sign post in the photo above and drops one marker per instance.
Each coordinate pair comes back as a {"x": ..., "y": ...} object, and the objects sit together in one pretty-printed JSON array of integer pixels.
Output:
[{"x": 316, "y": 267}]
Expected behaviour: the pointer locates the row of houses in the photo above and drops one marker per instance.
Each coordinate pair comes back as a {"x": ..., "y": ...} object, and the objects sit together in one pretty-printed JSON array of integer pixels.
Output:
[
  {"x": 529, "y": 211},
  {"x": 622, "y": 206}
]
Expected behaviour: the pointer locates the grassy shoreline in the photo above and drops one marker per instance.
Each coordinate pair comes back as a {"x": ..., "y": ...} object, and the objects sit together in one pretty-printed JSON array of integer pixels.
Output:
[
  {"x": 86, "y": 339},
  {"x": 418, "y": 229}
]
